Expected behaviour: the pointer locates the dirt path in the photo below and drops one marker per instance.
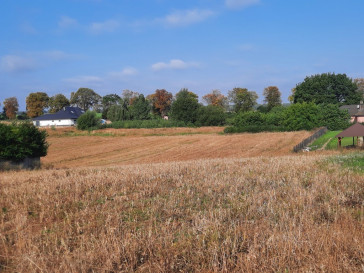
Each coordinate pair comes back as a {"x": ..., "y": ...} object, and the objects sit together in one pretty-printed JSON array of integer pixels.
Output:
[{"x": 324, "y": 146}]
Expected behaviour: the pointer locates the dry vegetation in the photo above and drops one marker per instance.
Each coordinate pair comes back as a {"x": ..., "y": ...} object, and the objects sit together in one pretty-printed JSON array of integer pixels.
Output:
[
  {"x": 271, "y": 213},
  {"x": 132, "y": 146},
  {"x": 275, "y": 214}
]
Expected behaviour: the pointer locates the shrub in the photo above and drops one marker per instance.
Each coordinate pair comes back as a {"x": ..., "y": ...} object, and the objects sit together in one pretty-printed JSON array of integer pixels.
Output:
[
  {"x": 333, "y": 117},
  {"x": 154, "y": 123},
  {"x": 88, "y": 121},
  {"x": 211, "y": 116},
  {"x": 19, "y": 141}
]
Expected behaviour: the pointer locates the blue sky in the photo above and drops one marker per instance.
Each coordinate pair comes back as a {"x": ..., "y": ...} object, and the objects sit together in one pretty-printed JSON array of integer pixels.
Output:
[{"x": 144, "y": 45}]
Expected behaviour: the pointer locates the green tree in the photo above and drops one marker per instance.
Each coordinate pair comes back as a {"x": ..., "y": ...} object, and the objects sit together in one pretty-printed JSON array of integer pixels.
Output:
[
  {"x": 108, "y": 101},
  {"x": 57, "y": 103},
  {"x": 140, "y": 109},
  {"x": 119, "y": 112},
  {"x": 36, "y": 104},
  {"x": 88, "y": 121},
  {"x": 85, "y": 98},
  {"x": 272, "y": 97},
  {"x": 185, "y": 107},
  {"x": 327, "y": 88},
  {"x": 243, "y": 99},
  {"x": 301, "y": 116},
  {"x": 331, "y": 116},
  {"x": 211, "y": 115},
  {"x": 11, "y": 106}
]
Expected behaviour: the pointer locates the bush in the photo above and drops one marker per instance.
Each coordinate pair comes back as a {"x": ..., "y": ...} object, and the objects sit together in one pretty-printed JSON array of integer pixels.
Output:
[
  {"x": 19, "y": 141},
  {"x": 211, "y": 116},
  {"x": 333, "y": 117},
  {"x": 88, "y": 121},
  {"x": 301, "y": 116},
  {"x": 154, "y": 123}
]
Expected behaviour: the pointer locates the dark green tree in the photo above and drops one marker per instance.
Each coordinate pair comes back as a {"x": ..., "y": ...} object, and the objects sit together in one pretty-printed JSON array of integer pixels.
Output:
[
  {"x": 331, "y": 116},
  {"x": 108, "y": 101},
  {"x": 85, "y": 98},
  {"x": 119, "y": 112},
  {"x": 57, "y": 102},
  {"x": 211, "y": 115},
  {"x": 327, "y": 88},
  {"x": 185, "y": 107},
  {"x": 243, "y": 99},
  {"x": 301, "y": 116},
  {"x": 140, "y": 109}
]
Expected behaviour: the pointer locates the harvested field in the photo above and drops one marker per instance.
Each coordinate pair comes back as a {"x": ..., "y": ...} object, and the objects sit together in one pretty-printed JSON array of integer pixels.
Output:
[
  {"x": 262, "y": 214},
  {"x": 133, "y": 146}
]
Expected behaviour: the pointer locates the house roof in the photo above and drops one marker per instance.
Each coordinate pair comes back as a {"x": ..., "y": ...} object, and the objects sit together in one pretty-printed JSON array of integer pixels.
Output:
[
  {"x": 355, "y": 130},
  {"x": 354, "y": 109},
  {"x": 66, "y": 113}
]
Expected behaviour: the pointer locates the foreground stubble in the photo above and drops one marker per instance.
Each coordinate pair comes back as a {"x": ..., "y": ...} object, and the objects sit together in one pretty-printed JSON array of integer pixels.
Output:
[{"x": 264, "y": 214}]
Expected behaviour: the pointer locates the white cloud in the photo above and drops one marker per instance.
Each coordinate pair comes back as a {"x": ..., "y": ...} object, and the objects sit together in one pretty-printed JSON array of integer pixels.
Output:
[
  {"x": 186, "y": 17},
  {"x": 107, "y": 26},
  {"x": 28, "y": 28},
  {"x": 66, "y": 22},
  {"x": 128, "y": 71},
  {"x": 234, "y": 4},
  {"x": 173, "y": 64},
  {"x": 84, "y": 80},
  {"x": 14, "y": 63}
]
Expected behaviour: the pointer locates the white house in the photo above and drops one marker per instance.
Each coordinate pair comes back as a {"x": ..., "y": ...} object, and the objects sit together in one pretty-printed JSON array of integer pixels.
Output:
[{"x": 65, "y": 117}]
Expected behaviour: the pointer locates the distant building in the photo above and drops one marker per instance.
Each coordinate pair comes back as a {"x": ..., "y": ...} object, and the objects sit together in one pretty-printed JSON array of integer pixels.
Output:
[
  {"x": 356, "y": 112},
  {"x": 65, "y": 117}
]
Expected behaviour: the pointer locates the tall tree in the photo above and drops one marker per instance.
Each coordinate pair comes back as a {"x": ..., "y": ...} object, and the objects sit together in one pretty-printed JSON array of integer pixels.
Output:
[
  {"x": 108, "y": 101},
  {"x": 85, "y": 98},
  {"x": 57, "y": 102},
  {"x": 129, "y": 96},
  {"x": 243, "y": 99},
  {"x": 140, "y": 109},
  {"x": 360, "y": 84},
  {"x": 185, "y": 107},
  {"x": 272, "y": 97},
  {"x": 11, "y": 106},
  {"x": 36, "y": 104},
  {"x": 291, "y": 97},
  {"x": 328, "y": 88},
  {"x": 161, "y": 101},
  {"x": 215, "y": 98}
]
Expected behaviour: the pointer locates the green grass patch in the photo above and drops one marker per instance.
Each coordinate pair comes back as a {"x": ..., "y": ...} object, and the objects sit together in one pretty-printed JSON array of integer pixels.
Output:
[
  {"x": 319, "y": 143},
  {"x": 353, "y": 161},
  {"x": 332, "y": 145}
]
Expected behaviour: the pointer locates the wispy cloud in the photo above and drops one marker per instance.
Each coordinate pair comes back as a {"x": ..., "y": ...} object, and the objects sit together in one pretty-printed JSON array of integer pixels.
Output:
[
  {"x": 235, "y": 4},
  {"x": 14, "y": 63},
  {"x": 106, "y": 26},
  {"x": 246, "y": 47},
  {"x": 66, "y": 22},
  {"x": 173, "y": 65},
  {"x": 128, "y": 71},
  {"x": 28, "y": 28},
  {"x": 186, "y": 17},
  {"x": 84, "y": 80}
]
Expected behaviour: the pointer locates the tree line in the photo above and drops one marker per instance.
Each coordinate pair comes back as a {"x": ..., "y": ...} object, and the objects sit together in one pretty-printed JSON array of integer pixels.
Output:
[{"x": 321, "y": 89}]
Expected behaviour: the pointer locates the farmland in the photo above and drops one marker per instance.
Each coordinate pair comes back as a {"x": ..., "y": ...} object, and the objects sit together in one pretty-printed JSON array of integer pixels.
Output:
[{"x": 191, "y": 203}]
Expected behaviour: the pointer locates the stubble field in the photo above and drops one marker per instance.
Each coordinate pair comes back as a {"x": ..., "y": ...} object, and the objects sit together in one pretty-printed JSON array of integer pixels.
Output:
[{"x": 237, "y": 212}]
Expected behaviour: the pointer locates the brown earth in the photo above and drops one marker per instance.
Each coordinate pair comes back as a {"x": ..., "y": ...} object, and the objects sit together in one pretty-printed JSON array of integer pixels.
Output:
[{"x": 72, "y": 148}]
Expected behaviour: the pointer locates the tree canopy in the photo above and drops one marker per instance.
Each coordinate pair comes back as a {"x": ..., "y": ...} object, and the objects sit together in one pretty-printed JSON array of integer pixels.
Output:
[
  {"x": 215, "y": 98},
  {"x": 161, "y": 101},
  {"x": 57, "y": 102},
  {"x": 243, "y": 99},
  {"x": 11, "y": 106},
  {"x": 36, "y": 104},
  {"x": 272, "y": 97},
  {"x": 85, "y": 98},
  {"x": 185, "y": 107},
  {"x": 140, "y": 109},
  {"x": 329, "y": 88}
]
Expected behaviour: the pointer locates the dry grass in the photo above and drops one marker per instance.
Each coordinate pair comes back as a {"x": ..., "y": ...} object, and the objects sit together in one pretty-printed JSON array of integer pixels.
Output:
[
  {"x": 134, "y": 146},
  {"x": 261, "y": 214}
]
